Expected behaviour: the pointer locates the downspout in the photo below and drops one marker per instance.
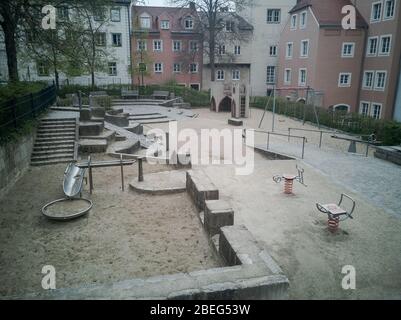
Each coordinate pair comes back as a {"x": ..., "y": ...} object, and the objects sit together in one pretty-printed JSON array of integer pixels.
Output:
[{"x": 130, "y": 28}]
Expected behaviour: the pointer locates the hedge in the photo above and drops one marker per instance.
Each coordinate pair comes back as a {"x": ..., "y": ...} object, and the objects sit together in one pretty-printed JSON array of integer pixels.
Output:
[{"x": 387, "y": 131}]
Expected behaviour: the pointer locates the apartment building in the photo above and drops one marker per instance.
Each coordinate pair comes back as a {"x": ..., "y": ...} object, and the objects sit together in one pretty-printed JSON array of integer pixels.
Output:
[
  {"x": 381, "y": 63},
  {"x": 268, "y": 19},
  {"x": 167, "y": 46},
  {"x": 113, "y": 35},
  {"x": 319, "y": 61}
]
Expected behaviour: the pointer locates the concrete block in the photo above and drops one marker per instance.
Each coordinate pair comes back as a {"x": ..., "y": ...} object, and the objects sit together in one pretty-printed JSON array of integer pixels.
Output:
[
  {"x": 90, "y": 128},
  {"x": 98, "y": 112},
  {"x": 218, "y": 213},
  {"x": 85, "y": 114},
  {"x": 200, "y": 188},
  {"x": 235, "y": 122}
]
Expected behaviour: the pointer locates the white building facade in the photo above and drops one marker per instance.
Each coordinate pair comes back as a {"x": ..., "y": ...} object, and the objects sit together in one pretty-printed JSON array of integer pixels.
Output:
[
  {"x": 268, "y": 18},
  {"x": 114, "y": 33}
]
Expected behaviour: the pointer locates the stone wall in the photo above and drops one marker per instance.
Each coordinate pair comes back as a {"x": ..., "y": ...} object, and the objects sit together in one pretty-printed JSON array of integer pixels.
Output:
[{"x": 15, "y": 158}]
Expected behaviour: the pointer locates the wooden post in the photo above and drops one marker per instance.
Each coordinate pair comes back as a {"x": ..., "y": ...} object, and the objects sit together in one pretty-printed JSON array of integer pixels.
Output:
[
  {"x": 122, "y": 172},
  {"x": 140, "y": 169},
  {"x": 90, "y": 175}
]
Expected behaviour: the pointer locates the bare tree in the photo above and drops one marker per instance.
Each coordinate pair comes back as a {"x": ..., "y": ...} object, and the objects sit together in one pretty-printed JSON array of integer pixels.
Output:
[{"x": 213, "y": 15}]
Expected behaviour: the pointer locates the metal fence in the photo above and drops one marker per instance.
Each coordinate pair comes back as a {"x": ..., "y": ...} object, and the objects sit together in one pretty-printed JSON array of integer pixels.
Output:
[{"x": 14, "y": 112}]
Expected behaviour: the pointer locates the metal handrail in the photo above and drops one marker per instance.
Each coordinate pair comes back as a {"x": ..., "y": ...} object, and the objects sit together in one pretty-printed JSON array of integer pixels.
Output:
[{"x": 311, "y": 130}]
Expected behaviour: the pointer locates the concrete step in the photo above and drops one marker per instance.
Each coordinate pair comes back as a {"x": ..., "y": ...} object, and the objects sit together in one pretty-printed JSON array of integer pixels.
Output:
[
  {"x": 57, "y": 156},
  {"x": 54, "y": 139},
  {"x": 137, "y": 118},
  {"x": 39, "y": 144},
  {"x": 50, "y": 162},
  {"x": 38, "y": 153},
  {"x": 57, "y": 126},
  {"x": 58, "y": 120},
  {"x": 56, "y": 134},
  {"x": 42, "y": 130},
  {"x": 68, "y": 147}
]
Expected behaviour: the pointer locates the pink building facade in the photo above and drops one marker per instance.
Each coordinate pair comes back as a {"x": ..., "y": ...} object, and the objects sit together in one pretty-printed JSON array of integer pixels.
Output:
[
  {"x": 167, "y": 46},
  {"x": 320, "y": 62}
]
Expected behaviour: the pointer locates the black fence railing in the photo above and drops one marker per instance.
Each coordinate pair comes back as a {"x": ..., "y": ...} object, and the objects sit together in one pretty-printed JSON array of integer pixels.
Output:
[{"x": 15, "y": 112}]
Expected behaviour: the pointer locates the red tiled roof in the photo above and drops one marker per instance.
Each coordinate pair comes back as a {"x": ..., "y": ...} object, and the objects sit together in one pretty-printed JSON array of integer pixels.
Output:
[{"x": 328, "y": 12}]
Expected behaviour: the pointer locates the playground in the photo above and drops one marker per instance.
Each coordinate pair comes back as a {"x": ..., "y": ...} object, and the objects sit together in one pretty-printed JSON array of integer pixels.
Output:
[{"x": 131, "y": 235}]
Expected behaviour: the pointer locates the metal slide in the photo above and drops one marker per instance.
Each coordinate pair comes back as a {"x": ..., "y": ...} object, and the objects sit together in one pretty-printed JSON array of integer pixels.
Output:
[{"x": 73, "y": 180}]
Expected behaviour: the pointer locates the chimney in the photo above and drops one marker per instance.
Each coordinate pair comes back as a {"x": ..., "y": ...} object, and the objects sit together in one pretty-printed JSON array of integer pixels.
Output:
[{"x": 192, "y": 6}]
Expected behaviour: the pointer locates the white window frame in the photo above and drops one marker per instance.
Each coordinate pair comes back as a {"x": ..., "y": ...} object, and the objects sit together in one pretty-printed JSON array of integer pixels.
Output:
[
  {"x": 293, "y": 26},
  {"x": 165, "y": 24},
  {"x": 237, "y": 50},
  {"x": 273, "y": 10},
  {"x": 345, "y": 85},
  {"x": 302, "y": 84},
  {"x": 288, "y": 57},
  {"x": 381, "y": 12},
  {"x": 375, "y": 87},
  {"x": 112, "y": 74},
  {"x": 173, "y": 46},
  {"x": 222, "y": 49},
  {"x": 139, "y": 47},
  {"x": 111, "y": 14},
  {"x": 275, "y": 49},
  {"x": 274, "y": 75},
  {"x": 191, "y": 26},
  {"x": 180, "y": 67},
  {"x": 301, "y": 50},
  {"x": 386, "y": 18},
  {"x": 361, "y": 108},
  {"x": 147, "y": 18},
  {"x": 287, "y": 81},
  {"x": 372, "y": 109},
  {"x": 236, "y": 72},
  {"x": 161, "y": 67},
  {"x": 303, "y": 13},
  {"x": 118, "y": 45},
  {"x": 352, "y": 50},
  {"x": 380, "y": 43},
  {"x": 220, "y": 72},
  {"x": 194, "y": 64},
  {"x": 191, "y": 42},
  {"x": 368, "y": 54},
  {"x": 365, "y": 72},
  {"x": 154, "y": 45}
]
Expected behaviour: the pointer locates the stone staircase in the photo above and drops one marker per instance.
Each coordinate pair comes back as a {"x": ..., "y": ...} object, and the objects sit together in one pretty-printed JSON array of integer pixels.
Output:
[{"x": 55, "y": 142}]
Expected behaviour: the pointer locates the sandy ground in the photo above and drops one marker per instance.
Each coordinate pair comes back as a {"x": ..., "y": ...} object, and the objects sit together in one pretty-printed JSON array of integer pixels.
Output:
[
  {"x": 126, "y": 235},
  {"x": 295, "y": 233}
]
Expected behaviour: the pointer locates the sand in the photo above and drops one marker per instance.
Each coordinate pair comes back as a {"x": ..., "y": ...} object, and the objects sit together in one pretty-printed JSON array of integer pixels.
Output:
[{"x": 126, "y": 235}]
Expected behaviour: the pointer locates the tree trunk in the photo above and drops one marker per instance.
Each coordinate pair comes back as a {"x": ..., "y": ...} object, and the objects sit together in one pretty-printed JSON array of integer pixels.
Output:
[
  {"x": 93, "y": 78},
  {"x": 11, "y": 50},
  {"x": 56, "y": 77}
]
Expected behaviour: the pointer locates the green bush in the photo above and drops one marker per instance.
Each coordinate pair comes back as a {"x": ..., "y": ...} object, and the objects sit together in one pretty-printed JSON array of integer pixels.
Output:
[
  {"x": 389, "y": 132},
  {"x": 19, "y": 89}
]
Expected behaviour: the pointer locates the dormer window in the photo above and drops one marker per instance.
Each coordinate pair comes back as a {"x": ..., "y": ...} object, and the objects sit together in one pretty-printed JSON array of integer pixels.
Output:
[
  {"x": 165, "y": 24},
  {"x": 229, "y": 26},
  {"x": 189, "y": 23},
  {"x": 145, "y": 22}
]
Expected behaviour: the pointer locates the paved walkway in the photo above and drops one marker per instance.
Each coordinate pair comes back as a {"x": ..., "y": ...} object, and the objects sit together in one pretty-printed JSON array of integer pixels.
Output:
[{"x": 376, "y": 180}]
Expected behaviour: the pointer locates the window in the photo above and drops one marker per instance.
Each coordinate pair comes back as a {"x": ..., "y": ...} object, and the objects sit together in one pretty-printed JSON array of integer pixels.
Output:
[
  {"x": 271, "y": 75},
  {"x": 293, "y": 22},
  {"x": 389, "y": 9},
  {"x": 177, "y": 67},
  {"x": 380, "y": 80},
  {"x": 273, "y": 15},
  {"x": 344, "y": 80},
  {"x": 302, "y": 77},
  {"x": 287, "y": 76},
  {"x": 376, "y": 12},
  {"x": 100, "y": 38},
  {"x": 43, "y": 69},
  {"x": 193, "y": 68},
  {"x": 229, "y": 26},
  {"x": 62, "y": 13},
  {"x": 304, "y": 48},
  {"x": 176, "y": 45},
  {"x": 236, "y": 75},
  {"x": 364, "y": 108},
  {"x": 141, "y": 45},
  {"x": 368, "y": 80},
  {"x": 372, "y": 46},
  {"x": 376, "y": 110},
  {"x": 193, "y": 46},
  {"x": 165, "y": 24},
  {"x": 116, "y": 39},
  {"x": 112, "y": 68},
  {"x": 189, "y": 23},
  {"x": 302, "y": 22},
  {"x": 195, "y": 86},
  {"x": 99, "y": 14},
  {"x": 220, "y": 74},
  {"x": 158, "y": 67},
  {"x": 348, "y": 50},
  {"x": 273, "y": 51},
  {"x": 237, "y": 50},
  {"x": 145, "y": 22},
  {"x": 385, "y": 45},
  {"x": 115, "y": 15},
  {"x": 222, "y": 49},
  {"x": 289, "y": 50},
  {"x": 158, "y": 45}
]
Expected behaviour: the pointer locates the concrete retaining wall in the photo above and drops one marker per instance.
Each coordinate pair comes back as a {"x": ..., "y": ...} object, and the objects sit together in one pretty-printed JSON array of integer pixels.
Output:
[
  {"x": 201, "y": 188},
  {"x": 14, "y": 161}
]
